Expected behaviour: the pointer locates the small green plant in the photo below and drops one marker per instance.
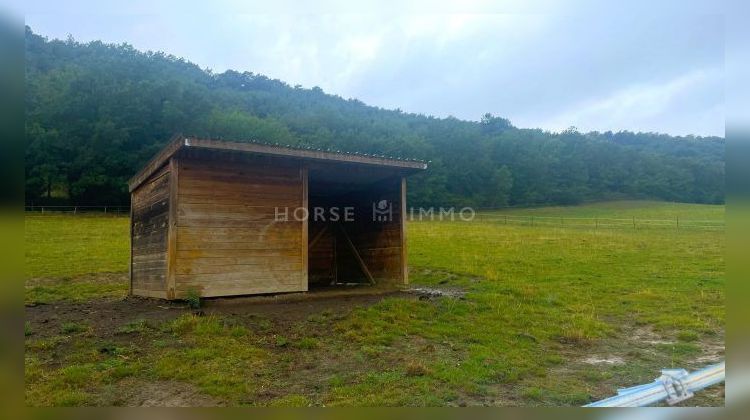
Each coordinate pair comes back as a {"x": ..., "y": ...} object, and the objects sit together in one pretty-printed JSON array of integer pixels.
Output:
[
  {"x": 533, "y": 393},
  {"x": 687, "y": 336},
  {"x": 193, "y": 299},
  {"x": 137, "y": 326},
  {"x": 72, "y": 328},
  {"x": 307, "y": 343},
  {"x": 281, "y": 341},
  {"x": 27, "y": 331}
]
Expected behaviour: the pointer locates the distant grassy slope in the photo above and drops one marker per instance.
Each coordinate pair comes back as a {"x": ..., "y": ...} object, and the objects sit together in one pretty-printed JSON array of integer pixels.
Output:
[{"x": 641, "y": 209}]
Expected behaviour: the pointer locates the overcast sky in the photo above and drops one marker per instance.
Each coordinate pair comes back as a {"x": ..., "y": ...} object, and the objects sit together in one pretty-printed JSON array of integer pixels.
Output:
[{"x": 644, "y": 70}]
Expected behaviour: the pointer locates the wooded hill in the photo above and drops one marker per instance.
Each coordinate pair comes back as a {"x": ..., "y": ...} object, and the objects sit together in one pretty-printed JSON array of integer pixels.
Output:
[{"x": 96, "y": 112}]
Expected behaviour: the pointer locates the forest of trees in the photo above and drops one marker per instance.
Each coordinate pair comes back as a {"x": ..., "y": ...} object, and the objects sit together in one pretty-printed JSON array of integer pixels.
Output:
[{"x": 95, "y": 113}]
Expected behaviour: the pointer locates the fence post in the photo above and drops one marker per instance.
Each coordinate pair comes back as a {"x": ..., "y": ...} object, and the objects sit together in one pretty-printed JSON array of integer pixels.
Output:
[
  {"x": 75, "y": 210},
  {"x": 105, "y": 209}
]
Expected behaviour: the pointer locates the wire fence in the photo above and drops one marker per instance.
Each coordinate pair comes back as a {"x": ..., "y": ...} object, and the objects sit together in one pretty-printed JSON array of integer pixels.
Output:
[
  {"x": 600, "y": 222},
  {"x": 486, "y": 217},
  {"x": 115, "y": 210}
]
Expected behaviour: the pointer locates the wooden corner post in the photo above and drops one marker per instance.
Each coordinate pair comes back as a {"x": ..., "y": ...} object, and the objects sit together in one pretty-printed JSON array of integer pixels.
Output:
[
  {"x": 404, "y": 267},
  {"x": 130, "y": 267},
  {"x": 305, "y": 245},
  {"x": 172, "y": 229}
]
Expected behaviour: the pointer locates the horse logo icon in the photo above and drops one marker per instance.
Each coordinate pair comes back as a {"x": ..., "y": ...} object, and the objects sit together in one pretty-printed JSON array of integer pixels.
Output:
[{"x": 382, "y": 211}]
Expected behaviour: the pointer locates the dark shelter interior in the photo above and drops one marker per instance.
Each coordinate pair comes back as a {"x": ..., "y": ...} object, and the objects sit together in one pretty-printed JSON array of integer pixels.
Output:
[{"x": 355, "y": 227}]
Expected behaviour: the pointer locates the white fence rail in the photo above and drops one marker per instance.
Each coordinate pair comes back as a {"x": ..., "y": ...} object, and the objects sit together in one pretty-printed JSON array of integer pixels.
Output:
[{"x": 673, "y": 386}]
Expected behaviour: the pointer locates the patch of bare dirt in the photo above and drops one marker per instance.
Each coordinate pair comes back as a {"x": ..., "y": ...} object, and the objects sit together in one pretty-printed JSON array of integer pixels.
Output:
[
  {"x": 712, "y": 353},
  {"x": 164, "y": 394},
  {"x": 645, "y": 334},
  {"x": 106, "y": 316},
  {"x": 604, "y": 360},
  {"x": 431, "y": 292}
]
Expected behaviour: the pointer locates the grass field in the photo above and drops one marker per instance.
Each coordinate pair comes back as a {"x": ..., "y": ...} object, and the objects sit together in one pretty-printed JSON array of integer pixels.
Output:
[{"x": 550, "y": 316}]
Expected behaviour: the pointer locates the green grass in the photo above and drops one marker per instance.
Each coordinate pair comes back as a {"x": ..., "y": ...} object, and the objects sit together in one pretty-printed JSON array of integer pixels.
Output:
[
  {"x": 640, "y": 209},
  {"x": 66, "y": 246},
  {"x": 66, "y": 256},
  {"x": 539, "y": 301}
]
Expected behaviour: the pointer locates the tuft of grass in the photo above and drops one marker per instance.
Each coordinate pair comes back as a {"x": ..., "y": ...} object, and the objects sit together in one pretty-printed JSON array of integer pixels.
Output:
[
  {"x": 307, "y": 343},
  {"x": 73, "y": 327},
  {"x": 292, "y": 400},
  {"x": 688, "y": 336},
  {"x": 193, "y": 298},
  {"x": 281, "y": 341},
  {"x": 27, "y": 330},
  {"x": 416, "y": 368},
  {"x": 136, "y": 326},
  {"x": 533, "y": 393}
]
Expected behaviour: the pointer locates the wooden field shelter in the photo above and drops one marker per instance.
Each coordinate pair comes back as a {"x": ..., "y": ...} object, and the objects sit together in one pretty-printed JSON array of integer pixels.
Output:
[{"x": 221, "y": 218}]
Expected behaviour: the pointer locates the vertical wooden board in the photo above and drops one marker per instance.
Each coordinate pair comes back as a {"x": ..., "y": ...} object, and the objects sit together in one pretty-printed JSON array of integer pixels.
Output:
[
  {"x": 130, "y": 266},
  {"x": 304, "y": 176},
  {"x": 174, "y": 164},
  {"x": 148, "y": 234},
  {"x": 404, "y": 266}
]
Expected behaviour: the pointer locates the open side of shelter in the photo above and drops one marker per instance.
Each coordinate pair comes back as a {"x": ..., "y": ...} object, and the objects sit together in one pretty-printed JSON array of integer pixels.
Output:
[{"x": 229, "y": 218}]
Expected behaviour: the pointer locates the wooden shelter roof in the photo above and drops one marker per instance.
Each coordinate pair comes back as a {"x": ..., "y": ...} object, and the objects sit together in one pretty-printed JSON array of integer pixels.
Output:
[{"x": 269, "y": 149}]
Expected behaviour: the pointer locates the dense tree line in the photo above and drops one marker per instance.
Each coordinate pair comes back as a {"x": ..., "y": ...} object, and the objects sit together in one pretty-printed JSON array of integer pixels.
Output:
[{"x": 95, "y": 113}]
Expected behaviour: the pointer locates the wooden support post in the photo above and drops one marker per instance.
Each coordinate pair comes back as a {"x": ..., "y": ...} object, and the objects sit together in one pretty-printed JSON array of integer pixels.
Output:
[
  {"x": 404, "y": 266},
  {"x": 359, "y": 259},
  {"x": 305, "y": 226},
  {"x": 317, "y": 237},
  {"x": 171, "y": 277},
  {"x": 335, "y": 264},
  {"x": 130, "y": 267}
]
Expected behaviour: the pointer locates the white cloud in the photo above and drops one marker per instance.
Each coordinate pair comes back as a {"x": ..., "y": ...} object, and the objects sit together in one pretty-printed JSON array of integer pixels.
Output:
[{"x": 641, "y": 106}]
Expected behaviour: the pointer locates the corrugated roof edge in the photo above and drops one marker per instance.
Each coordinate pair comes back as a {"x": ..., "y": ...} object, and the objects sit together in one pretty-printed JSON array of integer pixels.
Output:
[{"x": 275, "y": 149}]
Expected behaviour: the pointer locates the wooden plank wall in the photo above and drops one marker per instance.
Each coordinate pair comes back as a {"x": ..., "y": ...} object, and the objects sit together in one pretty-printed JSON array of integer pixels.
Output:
[
  {"x": 227, "y": 239},
  {"x": 149, "y": 228},
  {"x": 380, "y": 242}
]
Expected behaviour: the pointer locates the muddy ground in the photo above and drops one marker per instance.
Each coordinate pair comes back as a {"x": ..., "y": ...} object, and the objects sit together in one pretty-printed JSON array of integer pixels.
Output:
[{"x": 105, "y": 317}]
